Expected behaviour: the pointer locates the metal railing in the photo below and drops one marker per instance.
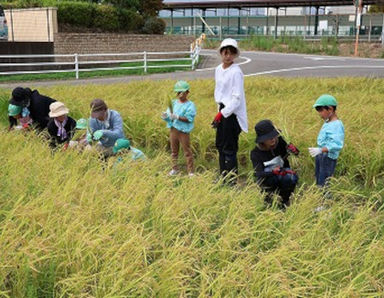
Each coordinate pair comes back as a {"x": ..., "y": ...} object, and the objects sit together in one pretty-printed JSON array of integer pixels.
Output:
[{"x": 81, "y": 62}]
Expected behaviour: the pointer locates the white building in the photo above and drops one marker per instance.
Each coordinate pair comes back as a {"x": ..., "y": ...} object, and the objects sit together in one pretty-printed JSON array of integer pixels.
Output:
[{"x": 312, "y": 10}]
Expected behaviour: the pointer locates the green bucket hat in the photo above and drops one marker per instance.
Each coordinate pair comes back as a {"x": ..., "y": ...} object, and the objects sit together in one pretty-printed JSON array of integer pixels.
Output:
[
  {"x": 120, "y": 145},
  {"x": 14, "y": 110},
  {"x": 81, "y": 123},
  {"x": 325, "y": 100},
  {"x": 181, "y": 86}
]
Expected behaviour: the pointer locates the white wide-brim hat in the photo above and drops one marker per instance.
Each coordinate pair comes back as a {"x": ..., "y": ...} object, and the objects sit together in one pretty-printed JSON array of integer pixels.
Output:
[
  {"x": 230, "y": 42},
  {"x": 57, "y": 109}
]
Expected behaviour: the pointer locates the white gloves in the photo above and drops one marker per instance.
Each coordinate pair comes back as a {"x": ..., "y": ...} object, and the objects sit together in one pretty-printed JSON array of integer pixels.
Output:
[
  {"x": 165, "y": 115},
  {"x": 73, "y": 144},
  {"x": 174, "y": 117},
  {"x": 314, "y": 151}
]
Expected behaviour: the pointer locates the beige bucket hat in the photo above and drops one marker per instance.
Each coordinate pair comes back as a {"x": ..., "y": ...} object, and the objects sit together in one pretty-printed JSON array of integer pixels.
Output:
[{"x": 57, "y": 109}]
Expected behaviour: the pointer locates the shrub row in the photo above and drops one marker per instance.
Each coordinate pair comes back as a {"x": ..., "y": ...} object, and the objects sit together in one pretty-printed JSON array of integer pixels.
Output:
[{"x": 101, "y": 17}]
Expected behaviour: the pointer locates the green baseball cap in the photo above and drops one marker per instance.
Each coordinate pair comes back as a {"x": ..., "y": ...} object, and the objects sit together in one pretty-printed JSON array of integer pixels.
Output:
[
  {"x": 325, "y": 100},
  {"x": 14, "y": 110},
  {"x": 81, "y": 123},
  {"x": 181, "y": 86},
  {"x": 121, "y": 144}
]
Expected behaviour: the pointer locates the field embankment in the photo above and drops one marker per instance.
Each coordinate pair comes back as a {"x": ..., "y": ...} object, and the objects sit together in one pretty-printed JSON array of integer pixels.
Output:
[{"x": 329, "y": 46}]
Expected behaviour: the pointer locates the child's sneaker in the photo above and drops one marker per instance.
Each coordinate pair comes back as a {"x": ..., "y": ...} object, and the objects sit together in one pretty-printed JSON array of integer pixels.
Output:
[{"x": 173, "y": 172}]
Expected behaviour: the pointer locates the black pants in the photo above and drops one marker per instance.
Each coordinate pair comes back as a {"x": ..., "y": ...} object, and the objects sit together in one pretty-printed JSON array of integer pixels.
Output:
[
  {"x": 282, "y": 185},
  {"x": 227, "y": 143}
]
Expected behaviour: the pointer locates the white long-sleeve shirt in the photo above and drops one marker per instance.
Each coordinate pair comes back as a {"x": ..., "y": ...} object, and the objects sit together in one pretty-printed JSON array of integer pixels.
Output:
[{"x": 229, "y": 90}]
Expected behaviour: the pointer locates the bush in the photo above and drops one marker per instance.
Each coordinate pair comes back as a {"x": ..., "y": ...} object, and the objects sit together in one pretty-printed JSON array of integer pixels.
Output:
[
  {"x": 106, "y": 18},
  {"x": 76, "y": 13},
  {"x": 129, "y": 21},
  {"x": 89, "y": 15},
  {"x": 153, "y": 25}
]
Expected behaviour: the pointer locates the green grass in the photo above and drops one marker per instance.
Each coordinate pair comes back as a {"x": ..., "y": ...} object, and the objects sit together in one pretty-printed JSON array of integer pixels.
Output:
[
  {"x": 73, "y": 227},
  {"x": 101, "y": 73},
  {"x": 326, "y": 46}
]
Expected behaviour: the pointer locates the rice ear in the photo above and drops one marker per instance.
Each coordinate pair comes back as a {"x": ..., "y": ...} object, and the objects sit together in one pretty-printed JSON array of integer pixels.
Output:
[{"x": 170, "y": 105}]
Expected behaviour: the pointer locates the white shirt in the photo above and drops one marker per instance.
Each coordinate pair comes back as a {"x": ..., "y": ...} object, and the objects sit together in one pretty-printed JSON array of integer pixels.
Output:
[{"x": 229, "y": 90}]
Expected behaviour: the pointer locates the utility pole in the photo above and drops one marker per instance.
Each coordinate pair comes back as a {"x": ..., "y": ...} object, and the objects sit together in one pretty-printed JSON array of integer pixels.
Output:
[{"x": 358, "y": 25}]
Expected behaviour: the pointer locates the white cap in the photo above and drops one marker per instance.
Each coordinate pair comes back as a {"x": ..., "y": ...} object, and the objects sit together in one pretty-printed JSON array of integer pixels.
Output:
[{"x": 230, "y": 42}]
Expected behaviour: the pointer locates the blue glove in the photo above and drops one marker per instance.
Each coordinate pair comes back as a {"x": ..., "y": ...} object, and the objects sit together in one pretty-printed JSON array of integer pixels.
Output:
[{"x": 97, "y": 135}]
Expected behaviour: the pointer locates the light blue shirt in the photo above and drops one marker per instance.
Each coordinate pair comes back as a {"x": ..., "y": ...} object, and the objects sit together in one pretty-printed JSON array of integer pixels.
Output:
[
  {"x": 112, "y": 128},
  {"x": 182, "y": 109},
  {"x": 136, "y": 154},
  {"x": 331, "y": 135},
  {"x": 133, "y": 154}
]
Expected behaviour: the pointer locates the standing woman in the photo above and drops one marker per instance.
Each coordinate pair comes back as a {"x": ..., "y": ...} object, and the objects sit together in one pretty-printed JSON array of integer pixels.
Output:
[{"x": 231, "y": 118}]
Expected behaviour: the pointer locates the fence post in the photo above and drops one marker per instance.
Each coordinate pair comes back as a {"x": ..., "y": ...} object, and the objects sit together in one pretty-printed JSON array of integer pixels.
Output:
[
  {"x": 145, "y": 62},
  {"x": 77, "y": 66}
]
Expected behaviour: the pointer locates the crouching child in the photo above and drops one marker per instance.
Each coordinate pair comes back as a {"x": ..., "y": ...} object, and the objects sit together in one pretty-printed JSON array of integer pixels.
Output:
[
  {"x": 61, "y": 127},
  {"x": 18, "y": 117},
  {"x": 79, "y": 140},
  {"x": 270, "y": 162},
  {"x": 123, "y": 150}
]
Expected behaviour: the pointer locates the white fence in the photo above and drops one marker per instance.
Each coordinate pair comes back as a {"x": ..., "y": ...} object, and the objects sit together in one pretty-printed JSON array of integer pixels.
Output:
[{"x": 79, "y": 62}]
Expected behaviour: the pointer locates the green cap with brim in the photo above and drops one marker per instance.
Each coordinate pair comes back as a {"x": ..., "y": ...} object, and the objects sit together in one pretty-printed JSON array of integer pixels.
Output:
[
  {"x": 120, "y": 145},
  {"x": 181, "y": 86},
  {"x": 325, "y": 100},
  {"x": 14, "y": 110},
  {"x": 81, "y": 123}
]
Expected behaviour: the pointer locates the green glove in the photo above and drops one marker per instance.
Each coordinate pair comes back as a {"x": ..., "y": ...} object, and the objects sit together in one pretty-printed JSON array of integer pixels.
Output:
[
  {"x": 98, "y": 134},
  {"x": 89, "y": 138}
]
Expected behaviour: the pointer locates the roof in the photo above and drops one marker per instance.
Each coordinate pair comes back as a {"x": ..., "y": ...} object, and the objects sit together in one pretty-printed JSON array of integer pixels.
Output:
[{"x": 168, "y": 4}]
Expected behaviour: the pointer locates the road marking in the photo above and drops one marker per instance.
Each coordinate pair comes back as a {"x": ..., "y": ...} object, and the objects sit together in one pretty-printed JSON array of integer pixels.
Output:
[
  {"x": 315, "y": 58},
  {"x": 312, "y": 67},
  {"x": 247, "y": 60}
]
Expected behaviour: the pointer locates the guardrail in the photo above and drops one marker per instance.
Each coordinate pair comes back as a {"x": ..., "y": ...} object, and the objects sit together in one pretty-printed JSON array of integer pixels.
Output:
[{"x": 79, "y": 60}]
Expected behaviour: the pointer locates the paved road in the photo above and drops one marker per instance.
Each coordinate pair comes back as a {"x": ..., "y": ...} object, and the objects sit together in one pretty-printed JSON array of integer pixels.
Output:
[{"x": 253, "y": 64}]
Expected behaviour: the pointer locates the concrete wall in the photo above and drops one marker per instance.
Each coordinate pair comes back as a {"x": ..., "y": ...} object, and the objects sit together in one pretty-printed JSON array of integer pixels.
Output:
[{"x": 32, "y": 24}]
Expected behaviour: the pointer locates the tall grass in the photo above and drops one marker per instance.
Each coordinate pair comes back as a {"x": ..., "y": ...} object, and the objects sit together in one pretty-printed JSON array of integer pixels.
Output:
[
  {"x": 72, "y": 225},
  {"x": 289, "y": 44}
]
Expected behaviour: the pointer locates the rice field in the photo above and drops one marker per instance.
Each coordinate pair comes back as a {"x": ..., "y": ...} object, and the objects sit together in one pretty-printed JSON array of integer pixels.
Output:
[{"x": 73, "y": 226}]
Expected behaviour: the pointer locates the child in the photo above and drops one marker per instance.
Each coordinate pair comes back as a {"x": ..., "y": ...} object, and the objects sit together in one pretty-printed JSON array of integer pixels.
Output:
[
  {"x": 80, "y": 136},
  {"x": 61, "y": 127},
  {"x": 17, "y": 114},
  {"x": 270, "y": 162},
  {"x": 230, "y": 98},
  {"x": 330, "y": 140},
  {"x": 123, "y": 147},
  {"x": 180, "y": 121}
]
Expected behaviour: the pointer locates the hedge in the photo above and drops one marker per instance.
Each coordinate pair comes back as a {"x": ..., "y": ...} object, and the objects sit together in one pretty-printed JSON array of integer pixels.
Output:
[{"x": 91, "y": 15}]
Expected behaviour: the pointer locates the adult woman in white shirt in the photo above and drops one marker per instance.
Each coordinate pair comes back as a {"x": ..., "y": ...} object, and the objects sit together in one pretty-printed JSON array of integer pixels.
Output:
[{"x": 232, "y": 116}]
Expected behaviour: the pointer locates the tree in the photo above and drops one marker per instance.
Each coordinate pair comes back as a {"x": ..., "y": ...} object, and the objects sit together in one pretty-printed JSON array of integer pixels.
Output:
[
  {"x": 150, "y": 8},
  {"x": 376, "y": 8},
  {"x": 133, "y": 5}
]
